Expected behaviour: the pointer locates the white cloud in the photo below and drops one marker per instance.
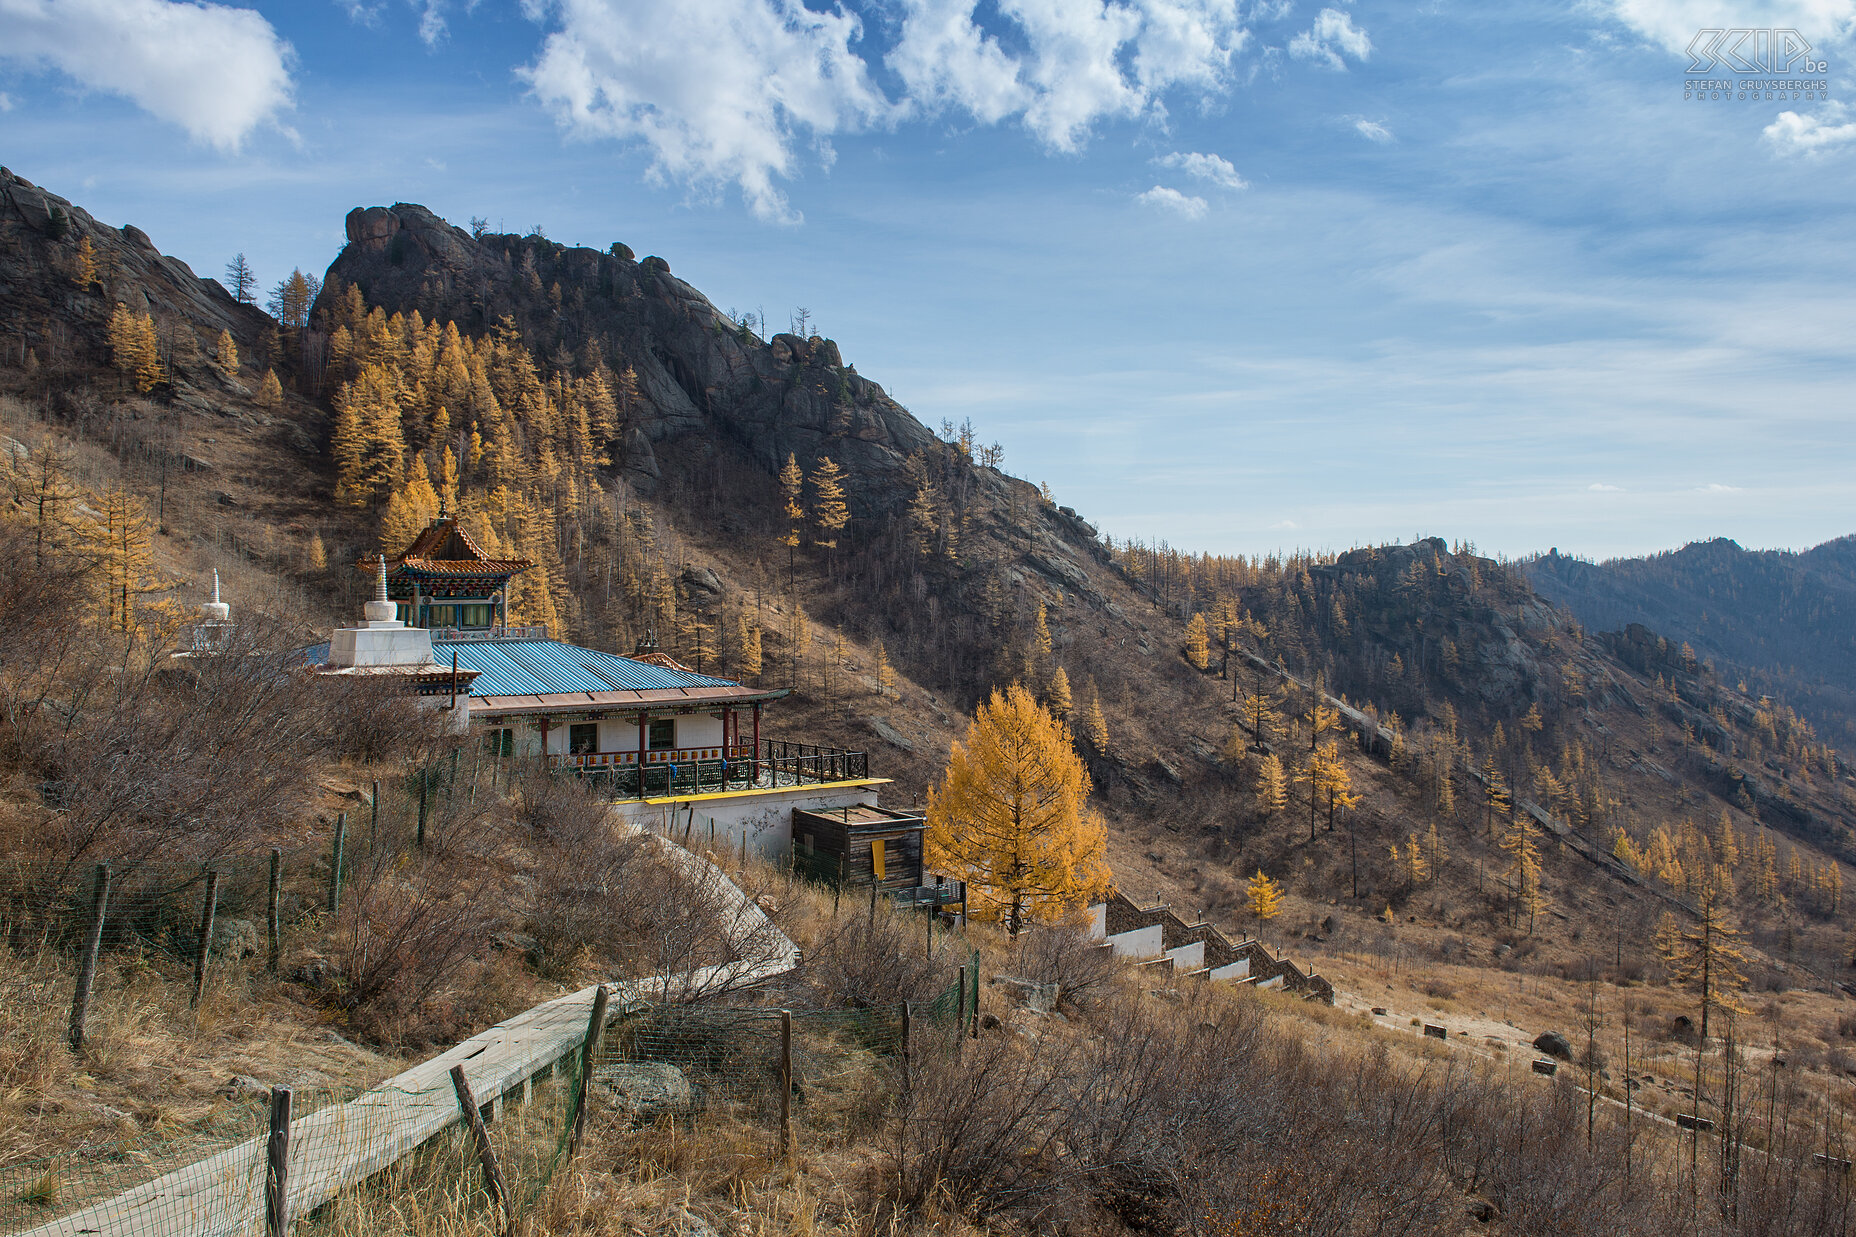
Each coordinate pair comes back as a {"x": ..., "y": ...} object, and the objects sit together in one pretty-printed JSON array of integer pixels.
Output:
[
  {"x": 1811, "y": 133},
  {"x": 1599, "y": 487},
  {"x": 1673, "y": 24},
  {"x": 6, "y": 102},
  {"x": 1184, "y": 205},
  {"x": 1331, "y": 40},
  {"x": 945, "y": 60},
  {"x": 1212, "y": 168},
  {"x": 433, "y": 24},
  {"x": 1372, "y": 130},
  {"x": 217, "y": 72},
  {"x": 1284, "y": 526},
  {"x": 716, "y": 90},
  {"x": 1070, "y": 64},
  {"x": 1717, "y": 488}
]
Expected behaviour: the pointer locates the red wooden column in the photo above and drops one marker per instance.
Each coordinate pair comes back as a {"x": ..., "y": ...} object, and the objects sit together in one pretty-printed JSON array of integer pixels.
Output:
[
  {"x": 644, "y": 733},
  {"x": 544, "y": 741}
]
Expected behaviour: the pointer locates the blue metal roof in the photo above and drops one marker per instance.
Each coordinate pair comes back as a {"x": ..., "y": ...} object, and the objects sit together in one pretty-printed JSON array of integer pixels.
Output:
[{"x": 548, "y": 667}]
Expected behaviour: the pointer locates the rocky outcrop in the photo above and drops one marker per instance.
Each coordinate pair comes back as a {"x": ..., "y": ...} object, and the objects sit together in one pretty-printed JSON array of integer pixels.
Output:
[
  {"x": 66, "y": 323},
  {"x": 700, "y": 374}
]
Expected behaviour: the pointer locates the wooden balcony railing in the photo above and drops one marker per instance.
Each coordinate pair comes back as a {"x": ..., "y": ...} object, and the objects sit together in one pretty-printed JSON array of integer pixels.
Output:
[
  {"x": 711, "y": 770},
  {"x": 536, "y": 631}
]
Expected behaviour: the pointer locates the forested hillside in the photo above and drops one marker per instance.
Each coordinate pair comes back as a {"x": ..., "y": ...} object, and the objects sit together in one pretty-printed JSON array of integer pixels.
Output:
[
  {"x": 1419, "y": 746},
  {"x": 1784, "y": 622}
]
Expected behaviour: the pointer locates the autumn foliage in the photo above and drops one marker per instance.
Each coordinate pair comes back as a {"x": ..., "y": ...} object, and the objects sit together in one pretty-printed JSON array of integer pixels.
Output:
[{"x": 1011, "y": 816}]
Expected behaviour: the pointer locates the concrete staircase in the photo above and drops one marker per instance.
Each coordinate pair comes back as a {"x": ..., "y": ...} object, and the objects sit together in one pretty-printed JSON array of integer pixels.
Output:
[{"x": 1155, "y": 936}]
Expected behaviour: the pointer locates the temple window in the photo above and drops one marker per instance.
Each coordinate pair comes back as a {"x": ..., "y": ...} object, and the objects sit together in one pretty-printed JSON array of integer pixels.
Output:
[
  {"x": 662, "y": 735},
  {"x": 582, "y": 737}
]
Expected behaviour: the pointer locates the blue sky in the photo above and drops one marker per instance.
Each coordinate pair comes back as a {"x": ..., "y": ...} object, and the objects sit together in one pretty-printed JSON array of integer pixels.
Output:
[{"x": 1236, "y": 275}]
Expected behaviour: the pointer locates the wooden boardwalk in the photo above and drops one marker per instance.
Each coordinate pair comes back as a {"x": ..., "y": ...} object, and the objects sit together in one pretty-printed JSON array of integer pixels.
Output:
[{"x": 223, "y": 1194}]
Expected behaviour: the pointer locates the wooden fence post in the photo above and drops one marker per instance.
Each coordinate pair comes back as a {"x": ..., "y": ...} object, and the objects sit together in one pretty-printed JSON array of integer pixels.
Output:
[
  {"x": 272, "y": 937},
  {"x": 960, "y": 1017},
  {"x": 973, "y": 1014},
  {"x": 277, "y": 1166},
  {"x": 425, "y": 795},
  {"x": 589, "y": 1052},
  {"x": 486, "y": 1154},
  {"x": 208, "y": 913},
  {"x": 335, "y": 863},
  {"x": 87, "y": 968},
  {"x": 907, "y": 1018},
  {"x": 786, "y": 1084}
]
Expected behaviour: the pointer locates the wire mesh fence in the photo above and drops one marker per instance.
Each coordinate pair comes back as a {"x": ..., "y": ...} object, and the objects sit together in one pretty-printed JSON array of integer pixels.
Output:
[
  {"x": 818, "y": 1073},
  {"x": 381, "y": 1160},
  {"x": 158, "y": 906}
]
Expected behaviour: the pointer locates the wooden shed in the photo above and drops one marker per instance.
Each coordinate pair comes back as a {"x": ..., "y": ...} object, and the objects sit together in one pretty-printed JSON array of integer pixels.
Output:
[{"x": 858, "y": 844}]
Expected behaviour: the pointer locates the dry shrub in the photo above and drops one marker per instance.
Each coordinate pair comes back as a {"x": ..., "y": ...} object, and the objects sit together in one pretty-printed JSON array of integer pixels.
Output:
[
  {"x": 410, "y": 923},
  {"x": 1062, "y": 954},
  {"x": 862, "y": 960}
]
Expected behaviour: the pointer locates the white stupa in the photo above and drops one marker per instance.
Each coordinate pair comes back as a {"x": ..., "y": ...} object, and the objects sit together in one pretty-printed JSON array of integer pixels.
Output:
[
  {"x": 213, "y": 632},
  {"x": 382, "y": 640},
  {"x": 216, "y": 611}
]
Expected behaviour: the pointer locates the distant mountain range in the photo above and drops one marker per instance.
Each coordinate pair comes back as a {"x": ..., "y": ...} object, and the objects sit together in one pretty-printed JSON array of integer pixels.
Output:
[{"x": 1784, "y": 622}]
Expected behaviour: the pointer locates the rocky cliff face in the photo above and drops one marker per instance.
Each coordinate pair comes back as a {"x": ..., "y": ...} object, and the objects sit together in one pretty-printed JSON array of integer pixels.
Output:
[
  {"x": 698, "y": 372},
  {"x": 65, "y": 324}
]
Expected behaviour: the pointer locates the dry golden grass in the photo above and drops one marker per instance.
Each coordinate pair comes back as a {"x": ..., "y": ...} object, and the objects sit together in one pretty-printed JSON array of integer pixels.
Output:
[{"x": 151, "y": 1066}]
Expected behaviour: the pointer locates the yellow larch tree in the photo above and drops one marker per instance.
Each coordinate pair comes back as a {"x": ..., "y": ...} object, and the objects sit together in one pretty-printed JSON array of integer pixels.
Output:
[
  {"x": 1058, "y": 694},
  {"x": 1011, "y": 816},
  {"x": 85, "y": 266},
  {"x": 1523, "y": 871},
  {"x": 1706, "y": 958},
  {"x": 751, "y": 653},
  {"x": 123, "y": 549},
  {"x": 1272, "y": 786},
  {"x": 270, "y": 391},
  {"x": 1038, "y": 652},
  {"x": 792, "y": 497},
  {"x": 1095, "y": 723},
  {"x": 829, "y": 512},
  {"x": 134, "y": 349},
  {"x": 1198, "y": 643},
  {"x": 885, "y": 673},
  {"x": 225, "y": 356},
  {"x": 368, "y": 445},
  {"x": 1265, "y": 897},
  {"x": 410, "y": 509}
]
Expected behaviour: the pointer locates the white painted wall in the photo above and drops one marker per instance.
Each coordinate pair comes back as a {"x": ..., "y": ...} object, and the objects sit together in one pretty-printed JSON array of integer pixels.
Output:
[
  {"x": 1188, "y": 957},
  {"x": 764, "y": 818},
  {"x": 1098, "y": 921},
  {"x": 1233, "y": 970},
  {"x": 1139, "y": 944}
]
